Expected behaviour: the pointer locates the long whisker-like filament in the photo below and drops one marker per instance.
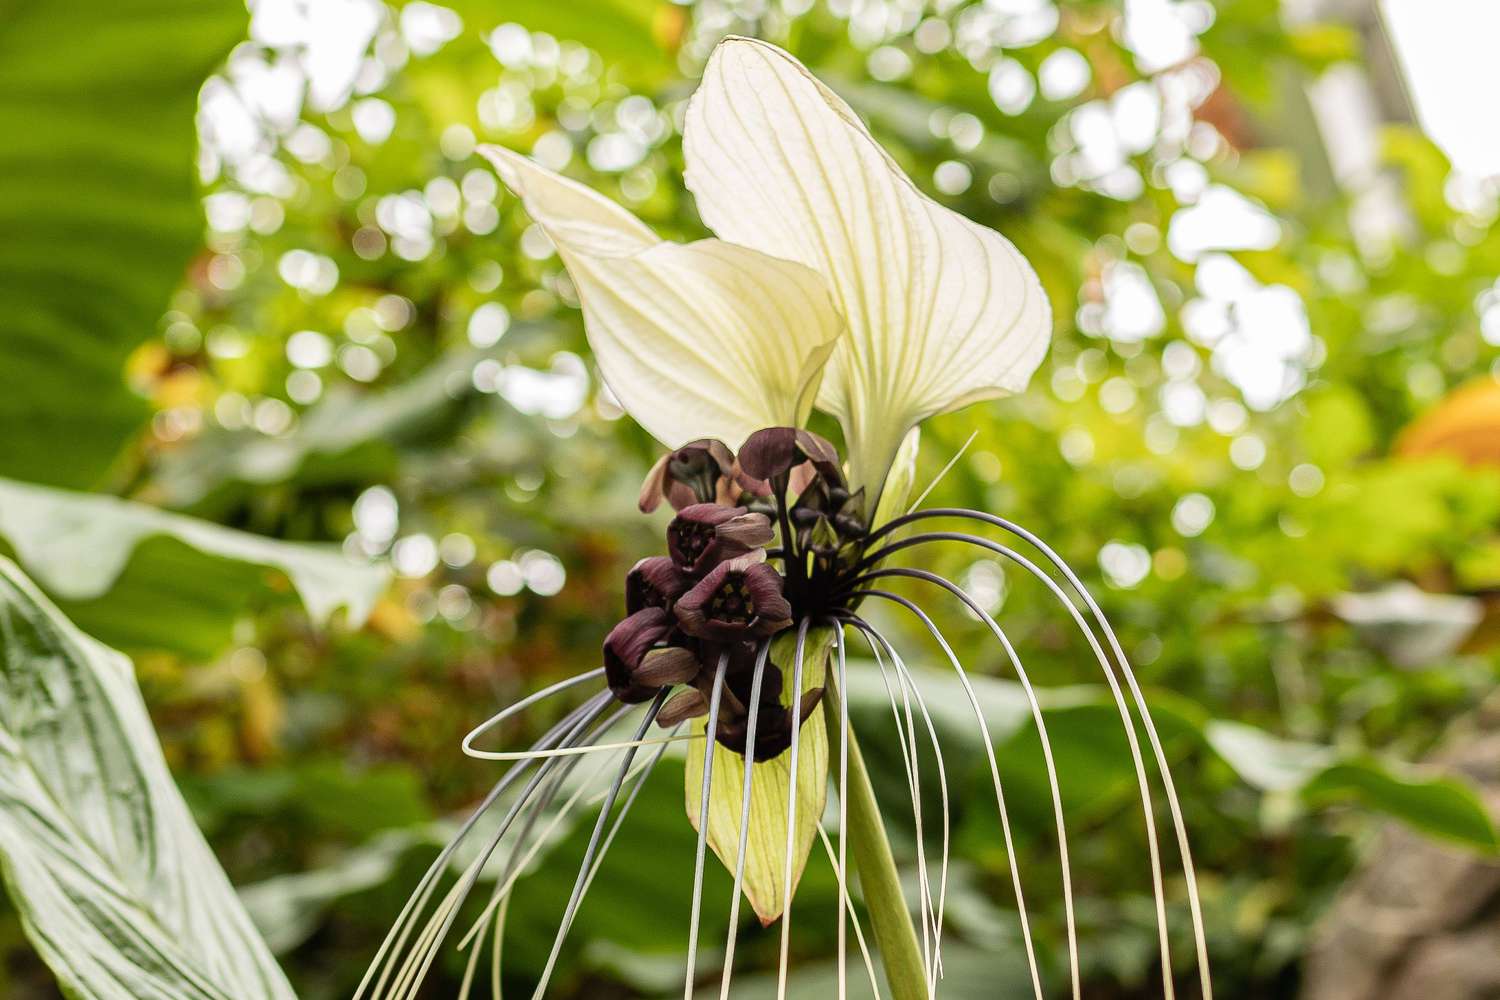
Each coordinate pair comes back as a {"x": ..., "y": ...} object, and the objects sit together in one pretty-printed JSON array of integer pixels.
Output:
[
  {"x": 625, "y": 807},
  {"x": 563, "y": 732},
  {"x": 634, "y": 744},
  {"x": 495, "y": 989},
  {"x": 843, "y": 858},
  {"x": 906, "y": 740},
  {"x": 739, "y": 863},
  {"x": 580, "y": 884},
  {"x": 503, "y": 895},
  {"x": 943, "y": 472},
  {"x": 710, "y": 729},
  {"x": 396, "y": 937},
  {"x": 908, "y": 748},
  {"x": 415, "y": 968},
  {"x": 517, "y": 864},
  {"x": 1045, "y": 740},
  {"x": 524, "y": 703},
  {"x": 1097, "y": 614},
  {"x": 847, "y": 915},
  {"x": 791, "y": 810},
  {"x": 989, "y": 749},
  {"x": 909, "y": 683}
]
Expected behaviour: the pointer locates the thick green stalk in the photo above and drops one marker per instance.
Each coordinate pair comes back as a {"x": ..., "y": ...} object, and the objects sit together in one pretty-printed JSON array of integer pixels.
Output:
[{"x": 895, "y": 934}]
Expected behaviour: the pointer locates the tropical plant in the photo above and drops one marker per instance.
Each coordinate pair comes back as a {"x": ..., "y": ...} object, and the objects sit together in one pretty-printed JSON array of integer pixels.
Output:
[{"x": 374, "y": 344}]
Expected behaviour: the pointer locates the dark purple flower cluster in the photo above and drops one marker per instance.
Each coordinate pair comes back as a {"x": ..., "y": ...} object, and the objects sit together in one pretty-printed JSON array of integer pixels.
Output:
[{"x": 714, "y": 596}]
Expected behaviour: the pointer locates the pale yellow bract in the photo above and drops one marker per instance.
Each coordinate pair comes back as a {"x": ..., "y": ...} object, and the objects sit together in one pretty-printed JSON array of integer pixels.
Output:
[{"x": 834, "y": 281}]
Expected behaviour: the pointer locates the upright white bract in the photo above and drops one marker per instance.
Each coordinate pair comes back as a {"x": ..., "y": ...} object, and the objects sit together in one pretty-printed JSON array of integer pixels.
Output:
[
  {"x": 941, "y": 312},
  {"x": 703, "y": 339},
  {"x": 835, "y": 279}
]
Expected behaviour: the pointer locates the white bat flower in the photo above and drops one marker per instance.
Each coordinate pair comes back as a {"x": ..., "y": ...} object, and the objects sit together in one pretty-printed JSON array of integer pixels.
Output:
[{"x": 833, "y": 279}]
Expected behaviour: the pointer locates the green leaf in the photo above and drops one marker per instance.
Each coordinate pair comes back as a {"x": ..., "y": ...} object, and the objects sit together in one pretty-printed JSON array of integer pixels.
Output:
[
  {"x": 147, "y": 577},
  {"x": 98, "y": 206},
  {"x": 1441, "y": 806},
  {"x": 1435, "y": 804},
  {"x": 1264, "y": 761},
  {"x": 116, "y": 887},
  {"x": 765, "y": 851}
]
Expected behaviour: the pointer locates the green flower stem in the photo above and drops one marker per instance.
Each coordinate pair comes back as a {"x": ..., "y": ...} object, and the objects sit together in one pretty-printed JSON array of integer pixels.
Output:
[{"x": 895, "y": 934}]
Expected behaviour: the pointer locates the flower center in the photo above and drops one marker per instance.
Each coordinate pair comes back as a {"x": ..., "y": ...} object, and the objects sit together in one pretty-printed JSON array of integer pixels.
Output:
[
  {"x": 733, "y": 602},
  {"x": 693, "y": 540}
]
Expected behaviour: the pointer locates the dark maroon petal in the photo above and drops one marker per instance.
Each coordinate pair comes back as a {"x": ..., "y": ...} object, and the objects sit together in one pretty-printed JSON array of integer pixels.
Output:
[
  {"x": 700, "y": 466},
  {"x": 802, "y": 476},
  {"x": 736, "y": 601},
  {"x": 655, "y": 483},
  {"x": 730, "y": 490},
  {"x": 684, "y": 705},
  {"x": 764, "y": 585},
  {"x": 717, "y": 450},
  {"x": 811, "y": 698},
  {"x": 769, "y": 453},
  {"x": 822, "y": 454},
  {"x": 693, "y": 537},
  {"x": 743, "y": 683},
  {"x": 773, "y": 726},
  {"x": 698, "y": 472},
  {"x": 653, "y": 583},
  {"x": 680, "y": 495},
  {"x": 773, "y": 733},
  {"x": 709, "y": 514},
  {"x": 748, "y": 530},
  {"x": 730, "y": 704},
  {"x": 668, "y": 666},
  {"x": 626, "y": 646},
  {"x": 689, "y": 608}
]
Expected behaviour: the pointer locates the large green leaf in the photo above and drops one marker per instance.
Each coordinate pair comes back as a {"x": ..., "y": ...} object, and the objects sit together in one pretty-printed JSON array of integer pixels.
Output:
[
  {"x": 98, "y": 209},
  {"x": 770, "y": 784},
  {"x": 139, "y": 576},
  {"x": 117, "y": 889}
]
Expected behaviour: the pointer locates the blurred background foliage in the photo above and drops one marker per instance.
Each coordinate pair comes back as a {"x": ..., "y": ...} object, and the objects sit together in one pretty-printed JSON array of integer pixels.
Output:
[{"x": 1266, "y": 431}]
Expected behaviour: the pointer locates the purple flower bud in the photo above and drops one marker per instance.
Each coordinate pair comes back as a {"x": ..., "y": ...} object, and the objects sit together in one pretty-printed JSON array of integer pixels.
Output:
[
  {"x": 776, "y": 458},
  {"x": 769, "y": 453},
  {"x": 625, "y": 648},
  {"x": 705, "y": 534},
  {"x": 653, "y": 583},
  {"x": 700, "y": 471},
  {"x": 737, "y": 600}
]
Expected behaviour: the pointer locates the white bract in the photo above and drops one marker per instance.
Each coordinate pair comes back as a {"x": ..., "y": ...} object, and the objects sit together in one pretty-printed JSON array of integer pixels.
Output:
[{"x": 834, "y": 282}]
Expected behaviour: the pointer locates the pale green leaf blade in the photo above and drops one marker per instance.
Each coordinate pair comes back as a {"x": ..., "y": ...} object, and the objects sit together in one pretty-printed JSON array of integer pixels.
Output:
[
  {"x": 78, "y": 545},
  {"x": 765, "y": 851},
  {"x": 116, "y": 887}
]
